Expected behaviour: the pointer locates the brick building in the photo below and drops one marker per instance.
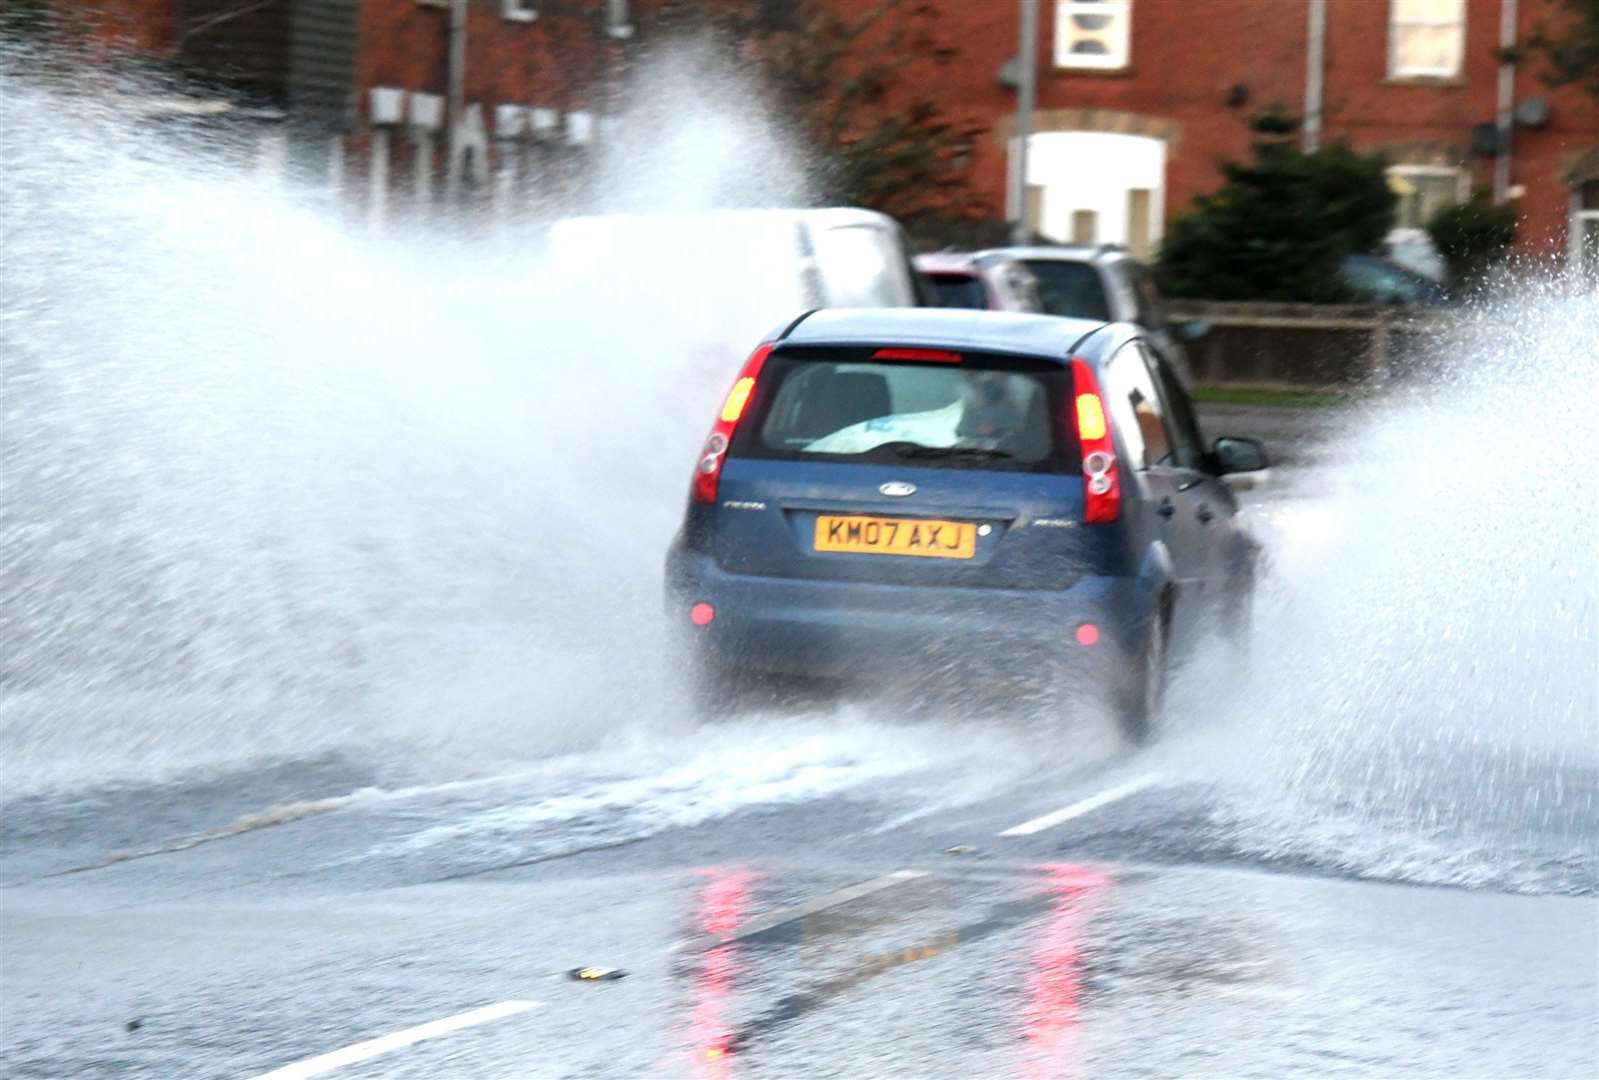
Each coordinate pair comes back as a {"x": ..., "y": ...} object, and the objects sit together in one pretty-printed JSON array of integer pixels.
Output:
[
  {"x": 397, "y": 106},
  {"x": 1139, "y": 101}
]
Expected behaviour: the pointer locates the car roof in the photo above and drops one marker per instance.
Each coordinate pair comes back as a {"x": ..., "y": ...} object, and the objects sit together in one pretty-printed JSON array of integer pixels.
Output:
[
  {"x": 961, "y": 262},
  {"x": 1019, "y": 333},
  {"x": 1081, "y": 253},
  {"x": 947, "y": 262},
  {"x": 835, "y": 217},
  {"x": 828, "y": 217}
]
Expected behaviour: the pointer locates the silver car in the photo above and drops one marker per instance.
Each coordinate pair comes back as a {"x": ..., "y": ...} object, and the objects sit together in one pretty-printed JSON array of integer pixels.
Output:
[{"x": 1107, "y": 283}]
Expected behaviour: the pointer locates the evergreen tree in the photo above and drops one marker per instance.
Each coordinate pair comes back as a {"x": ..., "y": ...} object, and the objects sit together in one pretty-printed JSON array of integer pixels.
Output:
[{"x": 1282, "y": 224}]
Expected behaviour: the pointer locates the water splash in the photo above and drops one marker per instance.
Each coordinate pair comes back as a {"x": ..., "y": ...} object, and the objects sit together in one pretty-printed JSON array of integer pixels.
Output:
[
  {"x": 1424, "y": 703},
  {"x": 275, "y": 486}
]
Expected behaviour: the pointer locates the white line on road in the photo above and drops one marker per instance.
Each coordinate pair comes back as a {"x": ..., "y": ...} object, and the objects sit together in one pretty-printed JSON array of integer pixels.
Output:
[
  {"x": 1078, "y": 809},
  {"x": 361, "y": 1051},
  {"x": 786, "y": 915}
]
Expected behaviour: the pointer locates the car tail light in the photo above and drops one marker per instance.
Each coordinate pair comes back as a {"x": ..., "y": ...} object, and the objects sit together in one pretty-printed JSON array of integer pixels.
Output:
[
  {"x": 708, "y": 470},
  {"x": 1102, "y": 494}
]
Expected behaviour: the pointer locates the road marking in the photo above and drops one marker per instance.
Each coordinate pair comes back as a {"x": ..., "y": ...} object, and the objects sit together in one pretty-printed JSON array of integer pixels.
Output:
[
  {"x": 1078, "y": 809},
  {"x": 786, "y": 915},
  {"x": 371, "y": 1048}
]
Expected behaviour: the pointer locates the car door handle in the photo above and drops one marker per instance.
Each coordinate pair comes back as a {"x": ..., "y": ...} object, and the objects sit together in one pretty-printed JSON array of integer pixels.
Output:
[
  {"x": 1205, "y": 516},
  {"x": 1166, "y": 508}
]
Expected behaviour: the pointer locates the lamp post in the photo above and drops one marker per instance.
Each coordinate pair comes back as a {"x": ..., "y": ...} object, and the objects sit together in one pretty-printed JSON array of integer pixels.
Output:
[{"x": 1026, "y": 89}]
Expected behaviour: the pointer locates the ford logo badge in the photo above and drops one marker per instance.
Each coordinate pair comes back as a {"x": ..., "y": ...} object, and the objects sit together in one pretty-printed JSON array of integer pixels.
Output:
[{"x": 897, "y": 488}]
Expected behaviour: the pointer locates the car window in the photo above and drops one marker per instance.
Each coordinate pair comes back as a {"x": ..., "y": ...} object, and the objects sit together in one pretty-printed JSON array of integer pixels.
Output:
[
  {"x": 959, "y": 291},
  {"x": 1070, "y": 288},
  {"x": 1136, "y": 409},
  {"x": 1151, "y": 305},
  {"x": 1188, "y": 446},
  {"x": 981, "y": 414},
  {"x": 1023, "y": 288},
  {"x": 1378, "y": 281}
]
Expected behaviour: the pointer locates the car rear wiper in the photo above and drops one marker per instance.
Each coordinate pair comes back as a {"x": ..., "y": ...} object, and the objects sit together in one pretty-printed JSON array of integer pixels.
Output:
[{"x": 917, "y": 451}]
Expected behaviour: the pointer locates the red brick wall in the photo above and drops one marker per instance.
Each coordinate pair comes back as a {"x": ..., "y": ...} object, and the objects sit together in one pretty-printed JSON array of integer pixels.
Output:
[
  {"x": 1186, "y": 55},
  {"x": 144, "y": 26},
  {"x": 1184, "y": 60},
  {"x": 1374, "y": 112},
  {"x": 548, "y": 62}
]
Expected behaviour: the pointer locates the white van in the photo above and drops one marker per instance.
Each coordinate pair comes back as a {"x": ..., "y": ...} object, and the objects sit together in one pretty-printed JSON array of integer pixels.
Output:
[{"x": 769, "y": 264}]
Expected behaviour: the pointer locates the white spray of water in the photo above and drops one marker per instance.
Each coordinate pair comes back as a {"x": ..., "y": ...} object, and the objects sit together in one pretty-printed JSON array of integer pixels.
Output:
[
  {"x": 1426, "y": 676},
  {"x": 275, "y": 488}
]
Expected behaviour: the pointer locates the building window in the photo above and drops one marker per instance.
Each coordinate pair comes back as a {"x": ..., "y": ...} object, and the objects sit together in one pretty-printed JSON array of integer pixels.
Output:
[
  {"x": 1426, "y": 38},
  {"x": 1423, "y": 190},
  {"x": 618, "y": 21},
  {"x": 1092, "y": 33},
  {"x": 1585, "y": 229},
  {"x": 1139, "y": 201},
  {"x": 1035, "y": 209},
  {"x": 1085, "y": 227}
]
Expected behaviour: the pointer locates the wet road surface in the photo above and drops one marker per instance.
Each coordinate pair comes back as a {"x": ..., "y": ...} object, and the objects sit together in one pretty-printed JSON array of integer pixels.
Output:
[
  {"x": 851, "y": 890},
  {"x": 855, "y": 934}
]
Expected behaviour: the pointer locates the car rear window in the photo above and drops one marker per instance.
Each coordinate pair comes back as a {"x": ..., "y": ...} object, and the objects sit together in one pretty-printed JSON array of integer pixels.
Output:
[
  {"x": 986, "y": 412},
  {"x": 1072, "y": 289},
  {"x": 959, "y": 291}
]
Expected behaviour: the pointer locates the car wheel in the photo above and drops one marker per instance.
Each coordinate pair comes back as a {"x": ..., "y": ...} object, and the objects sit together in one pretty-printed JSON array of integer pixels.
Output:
[{"x": 1138, "y": 710}]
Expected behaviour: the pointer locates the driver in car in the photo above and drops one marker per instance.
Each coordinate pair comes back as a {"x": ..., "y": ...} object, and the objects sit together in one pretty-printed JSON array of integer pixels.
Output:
[{"x": 990, "y": 417}]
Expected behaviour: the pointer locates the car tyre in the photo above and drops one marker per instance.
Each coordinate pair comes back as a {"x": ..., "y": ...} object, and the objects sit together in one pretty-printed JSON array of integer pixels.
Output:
[
  {"x": 1139, "y": 705},
  {"x": 717, "y": 692}
]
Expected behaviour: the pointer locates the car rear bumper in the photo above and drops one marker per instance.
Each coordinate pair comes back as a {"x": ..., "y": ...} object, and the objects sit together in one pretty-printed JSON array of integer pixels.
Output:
[{"x": 844, "y": 629}]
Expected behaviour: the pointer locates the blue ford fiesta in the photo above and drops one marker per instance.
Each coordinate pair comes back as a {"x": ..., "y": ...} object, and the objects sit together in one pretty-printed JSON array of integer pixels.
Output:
[{"x": 887, "y": 489}]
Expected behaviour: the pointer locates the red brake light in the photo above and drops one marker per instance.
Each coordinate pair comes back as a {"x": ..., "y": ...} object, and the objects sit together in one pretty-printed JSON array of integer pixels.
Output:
[
  {"x": 1102, "y": 494},
  {"x": 708, "y": 471},
  {"x": 935, "y": 356}
]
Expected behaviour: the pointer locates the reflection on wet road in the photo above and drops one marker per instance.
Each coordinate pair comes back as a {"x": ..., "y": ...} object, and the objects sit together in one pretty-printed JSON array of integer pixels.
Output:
[{"x": 803, "y": 938}]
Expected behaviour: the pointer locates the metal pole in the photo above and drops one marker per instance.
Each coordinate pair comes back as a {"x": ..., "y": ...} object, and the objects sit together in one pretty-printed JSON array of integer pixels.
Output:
[
  {"x": 455, "y": 94},
  {"x": 1315, "y": 74},
  {"x": 1507, "y": 99},
  {"x": 1026, "y": 92}
]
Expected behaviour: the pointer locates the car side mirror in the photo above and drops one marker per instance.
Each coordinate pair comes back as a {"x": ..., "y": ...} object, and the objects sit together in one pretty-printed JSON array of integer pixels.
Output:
[
  {"x": 1192, "y": 329},
  {"x": 1237, "y": 455}
]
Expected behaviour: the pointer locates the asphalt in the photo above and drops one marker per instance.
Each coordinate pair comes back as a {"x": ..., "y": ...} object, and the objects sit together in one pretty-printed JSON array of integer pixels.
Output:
[
  {"x": 892, "y": 888},
  {"x": 1114, "y": 944}
]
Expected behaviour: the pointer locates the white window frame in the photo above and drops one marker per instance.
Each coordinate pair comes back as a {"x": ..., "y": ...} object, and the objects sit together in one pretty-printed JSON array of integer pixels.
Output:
[
  {"x": 515, "y": 11},
  {"x": 1462, "y": 190},
  {"x": 1395, "y": 24},
  {"x": 1580, "y": 216},
  {"x": 1120, "y": 10}
]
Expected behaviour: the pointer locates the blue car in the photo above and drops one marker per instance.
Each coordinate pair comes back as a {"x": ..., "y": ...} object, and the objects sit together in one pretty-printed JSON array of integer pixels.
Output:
[{"x": 893, "y": 490}]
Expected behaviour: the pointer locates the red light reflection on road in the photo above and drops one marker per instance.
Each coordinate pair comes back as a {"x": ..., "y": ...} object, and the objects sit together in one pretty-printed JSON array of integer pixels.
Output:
[
  {"x": 1050, "y": 1019},
  {"x": 721, "y": 907}
]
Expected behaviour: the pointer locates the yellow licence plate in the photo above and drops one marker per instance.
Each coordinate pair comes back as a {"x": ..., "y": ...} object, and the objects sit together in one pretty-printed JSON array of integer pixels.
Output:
[{"x": 896, "y": 536}]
